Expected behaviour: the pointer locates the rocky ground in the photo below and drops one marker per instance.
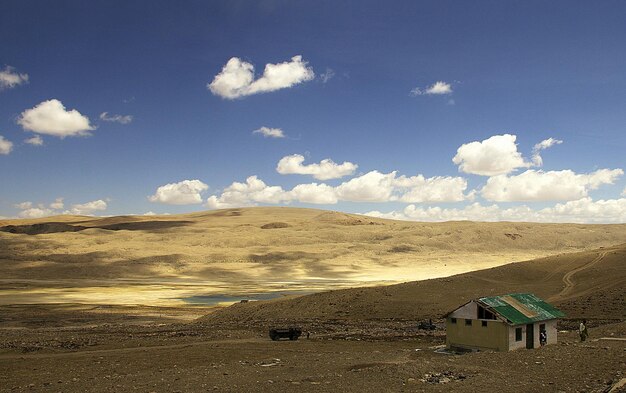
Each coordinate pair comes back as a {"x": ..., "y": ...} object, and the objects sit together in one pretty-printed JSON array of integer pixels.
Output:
[{"x": 340, "y": 355}]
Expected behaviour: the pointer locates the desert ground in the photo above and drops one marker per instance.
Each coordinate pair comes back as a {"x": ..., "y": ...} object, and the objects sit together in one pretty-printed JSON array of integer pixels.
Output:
[{"x": 150, "y": 304}]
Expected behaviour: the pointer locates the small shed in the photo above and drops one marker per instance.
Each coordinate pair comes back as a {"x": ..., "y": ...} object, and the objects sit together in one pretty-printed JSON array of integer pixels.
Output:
[{"x": 502, "y": 323}]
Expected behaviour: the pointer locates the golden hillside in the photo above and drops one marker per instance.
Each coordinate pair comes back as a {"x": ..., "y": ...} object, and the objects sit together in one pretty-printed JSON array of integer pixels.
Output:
[
  {"x": 587, "y": 284},
  {"x": 252, "y": 250}
]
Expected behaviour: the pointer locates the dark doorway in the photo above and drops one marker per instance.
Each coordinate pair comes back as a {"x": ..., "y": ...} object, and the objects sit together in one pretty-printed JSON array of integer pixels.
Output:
[{"x": 530, "y": 336}]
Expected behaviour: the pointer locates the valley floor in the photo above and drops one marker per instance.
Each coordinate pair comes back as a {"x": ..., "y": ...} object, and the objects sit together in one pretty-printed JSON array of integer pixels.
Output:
[{"x": 122, "y": 351}]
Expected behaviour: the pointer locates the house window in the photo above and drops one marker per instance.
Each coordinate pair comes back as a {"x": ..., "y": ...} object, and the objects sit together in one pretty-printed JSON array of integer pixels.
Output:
[
  {"x": 518, "y": 334},
  {"x": 468, "y": 322},
  {"x": 453, "y": 320},
  {"x": 484, "y": 323},
  {"x": 485, "y": 314}
]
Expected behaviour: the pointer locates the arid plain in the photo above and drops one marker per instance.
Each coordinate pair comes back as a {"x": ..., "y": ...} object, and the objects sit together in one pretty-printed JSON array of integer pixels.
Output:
[{"x": 141, "y": 303}]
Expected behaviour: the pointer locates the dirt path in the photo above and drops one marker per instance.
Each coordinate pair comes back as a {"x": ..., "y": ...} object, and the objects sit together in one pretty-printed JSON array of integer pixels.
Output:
[
  {"x": 128, "y": 350},
  {"x": 568, "y": 280}
]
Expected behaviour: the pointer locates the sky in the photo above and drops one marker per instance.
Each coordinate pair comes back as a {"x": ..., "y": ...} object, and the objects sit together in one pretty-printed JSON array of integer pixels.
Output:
[{"x": 413, "y": 110}]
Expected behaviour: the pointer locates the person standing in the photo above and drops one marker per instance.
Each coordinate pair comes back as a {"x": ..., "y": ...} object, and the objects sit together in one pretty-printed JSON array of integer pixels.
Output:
[{"x": 582, "y": 330}]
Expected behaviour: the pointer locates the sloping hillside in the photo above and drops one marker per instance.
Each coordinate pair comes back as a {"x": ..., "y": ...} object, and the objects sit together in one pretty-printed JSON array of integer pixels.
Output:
[
  {"x": 586, "y": 284},
  {"x": 163, "y": 259}
]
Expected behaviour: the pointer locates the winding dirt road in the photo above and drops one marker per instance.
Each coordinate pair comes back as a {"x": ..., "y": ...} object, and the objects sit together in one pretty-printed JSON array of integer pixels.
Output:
[{"x": 566, "y": 292}]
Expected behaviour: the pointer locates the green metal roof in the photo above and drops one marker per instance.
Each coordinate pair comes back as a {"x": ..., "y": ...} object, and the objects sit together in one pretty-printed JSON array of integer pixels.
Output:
[{"x": 521, "y": 308}]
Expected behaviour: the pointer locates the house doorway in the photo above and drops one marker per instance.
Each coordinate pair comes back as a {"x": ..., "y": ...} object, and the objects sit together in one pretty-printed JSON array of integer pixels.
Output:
[{"x": 530, "y": 336}]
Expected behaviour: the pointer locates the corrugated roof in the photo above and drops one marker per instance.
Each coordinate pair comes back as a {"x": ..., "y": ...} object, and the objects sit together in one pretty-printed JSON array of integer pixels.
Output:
[{"x": 521, "y": 308}]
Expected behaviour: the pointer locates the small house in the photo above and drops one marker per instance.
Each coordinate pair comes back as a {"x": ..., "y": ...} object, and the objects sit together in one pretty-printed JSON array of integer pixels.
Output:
[{"x": 502, "y": 323}]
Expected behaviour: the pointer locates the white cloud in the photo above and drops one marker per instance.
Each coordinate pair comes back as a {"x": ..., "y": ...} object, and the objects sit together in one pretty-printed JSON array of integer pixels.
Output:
[
  {"x": 237, "y": 78},
  {"x": 51, "y": 118},
  {"x": 5, "y": 146},
  {"x": 186, "y": 192},
  {"x": 326, "y": 169},
  {"x": 370, "y": 187},
  {"x": 437, "y": 88},
  {"x": 498, "y": 155},
  {"x": 270, "y": 132},
  {"x": 537, "y": 160},
  {"x": 494, "y": 156},
  {"x": 36, "y": 212},
  {"x": 253, "y": 191},
  {"x": 624, "y": 192},
  {"x": 534, "y": 185},
  {"x": 434, "y": 189},
  {"x": 584, "y": 210},
  {"x": 57, "y": 204},
  {"x": 87, "y": 209},
  {"x": 28, "y": 210},
  {"x": 10, "y": 79},
  {"x": 327, "y": 75},
  {"x": 122, "y": 119},
  {"x": 23, "y": 205},
  {"x": 321, "y": 194},
  {"x": 35, "y": 141}
]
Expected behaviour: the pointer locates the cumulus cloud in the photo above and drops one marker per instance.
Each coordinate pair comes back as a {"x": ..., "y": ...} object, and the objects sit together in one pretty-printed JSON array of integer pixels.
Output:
[
  {"x": 28, "y": 210},
  {"x": 57, "y": 204},
  {"x": 253, "y": 191},
  {"x": 437, "y": 88},
  {"x": 494, "y": 156},
  {"x": 370, "y": 187},
  {"x": 6, "y": 146},
  {"x": 87, "y": 209},
  {"x": 584, "y": 210},
  {"x": 385, "y": 187},
  {"x": 23, "y": 205},
  {"x": 51, "y": 118},
  {"x": 434, "y": 189},
  {"x": 236, "y": 79},
  {"x": 537, "y": 160},
  {"x": 10, "y": 79},
  {"x": 270, "y": 132},
  {"x": 186, "y": 192},
  {"x": 321, "y": 194},
  {"x": 498, "y": 155},
  {"x": 35, "y": 141},
  {"x": 122, "y": 119},
  {"x": 532, "y": 185},
  {"x": 326, "y": 169},
  {"x": 37, "y": 212}
]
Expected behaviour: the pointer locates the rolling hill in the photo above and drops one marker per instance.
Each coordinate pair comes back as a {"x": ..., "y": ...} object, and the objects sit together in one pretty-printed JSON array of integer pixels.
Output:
[
  {"x": 587, "y": 284},
  {"x": 163, "y": 259}
]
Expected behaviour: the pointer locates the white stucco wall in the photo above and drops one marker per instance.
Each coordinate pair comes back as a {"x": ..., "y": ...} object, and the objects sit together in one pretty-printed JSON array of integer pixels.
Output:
[{"x": 550, "y": 330}]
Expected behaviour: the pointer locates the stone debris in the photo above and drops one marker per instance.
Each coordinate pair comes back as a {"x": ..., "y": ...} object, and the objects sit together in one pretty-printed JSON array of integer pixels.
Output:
[{"x": 443, "y": 377}]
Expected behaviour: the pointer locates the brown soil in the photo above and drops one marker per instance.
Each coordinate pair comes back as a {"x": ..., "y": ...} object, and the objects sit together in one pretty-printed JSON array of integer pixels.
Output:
[
  {"x": 384, "y": 356},
  {"x": 361, "y": 339}
]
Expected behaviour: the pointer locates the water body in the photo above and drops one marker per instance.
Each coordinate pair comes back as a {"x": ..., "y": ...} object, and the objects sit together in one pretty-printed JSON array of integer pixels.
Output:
[{"x": 215, "y": 299}]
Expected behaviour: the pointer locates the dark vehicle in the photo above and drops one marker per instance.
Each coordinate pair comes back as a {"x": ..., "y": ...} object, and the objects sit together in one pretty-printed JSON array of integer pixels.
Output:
[
  {"x": 291, "y": 333},
  {"x": 423, "y": 325}
]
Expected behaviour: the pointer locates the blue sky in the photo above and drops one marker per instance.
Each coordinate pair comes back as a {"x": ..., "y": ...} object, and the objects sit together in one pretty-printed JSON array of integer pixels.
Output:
[{"x": 124, "y": 107}]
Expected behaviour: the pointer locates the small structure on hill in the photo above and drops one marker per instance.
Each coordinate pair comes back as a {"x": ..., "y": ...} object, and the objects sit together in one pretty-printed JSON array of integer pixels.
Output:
[
  {"x": 291, "y": 333},
  {"x": 502, "y": 323}
]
